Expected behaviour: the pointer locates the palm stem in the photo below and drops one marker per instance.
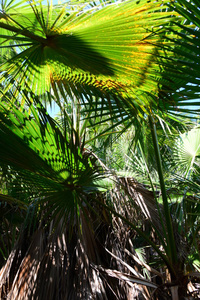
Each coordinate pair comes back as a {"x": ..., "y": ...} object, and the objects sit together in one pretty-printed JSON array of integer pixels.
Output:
[
  {"x": 172, "y": 252},
  {"x": 25, "y": 33},
  {"x": 152, "y": 186}
]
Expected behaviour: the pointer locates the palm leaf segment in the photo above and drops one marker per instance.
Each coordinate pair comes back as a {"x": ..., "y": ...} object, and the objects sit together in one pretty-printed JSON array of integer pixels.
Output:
[
  {"x": 122, "y": 49},
  {"x": 186, "y": 152},
  {"x": 187, "y": 49},
  {"x": 54, "y": 165}
]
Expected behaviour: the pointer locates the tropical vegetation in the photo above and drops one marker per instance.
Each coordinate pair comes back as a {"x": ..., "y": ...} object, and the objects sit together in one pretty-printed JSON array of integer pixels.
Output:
[{"x": 100, "y": 201}]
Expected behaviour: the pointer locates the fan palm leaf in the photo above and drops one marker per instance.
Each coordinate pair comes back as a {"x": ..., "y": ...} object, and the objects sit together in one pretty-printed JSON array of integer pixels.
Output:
[
  {"x": 124, "y": 49},
  {"x": 186, "y": 99},
  {"x": 57, "y": 164},
  {"x": 186, "y": 152}
]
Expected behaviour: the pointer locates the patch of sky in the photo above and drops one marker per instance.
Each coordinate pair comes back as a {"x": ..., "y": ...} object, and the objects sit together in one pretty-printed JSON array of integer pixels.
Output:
[{"x": 53, "y": 109}]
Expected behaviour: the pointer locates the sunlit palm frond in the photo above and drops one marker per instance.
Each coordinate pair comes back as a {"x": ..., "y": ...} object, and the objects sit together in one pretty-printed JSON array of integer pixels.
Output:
[
  {"x": 54, "y": 164},
  {"x": 186, "y": 151},
  {"x": 97, "y": 51}
]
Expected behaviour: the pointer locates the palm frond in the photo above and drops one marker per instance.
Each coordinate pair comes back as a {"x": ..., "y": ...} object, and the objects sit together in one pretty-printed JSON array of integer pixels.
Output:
[
  {"x": 73, "y": 51},
  {"x": 54, "y": 164},
  {"x": 186, "y": 152}
]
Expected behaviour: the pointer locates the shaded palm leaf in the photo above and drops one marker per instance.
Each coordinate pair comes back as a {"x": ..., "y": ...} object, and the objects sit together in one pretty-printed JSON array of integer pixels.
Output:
[{"x": 186, "y": 98}]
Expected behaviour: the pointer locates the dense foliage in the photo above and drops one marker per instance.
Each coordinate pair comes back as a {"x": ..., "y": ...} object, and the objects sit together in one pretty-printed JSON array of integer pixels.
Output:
[{"x": 100, "y": 201}]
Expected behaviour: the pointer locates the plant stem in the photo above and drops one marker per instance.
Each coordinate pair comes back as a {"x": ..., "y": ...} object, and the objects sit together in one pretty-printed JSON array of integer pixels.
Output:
[
  {"x": 172, "y": 252},
  {"x": 24, "y": 32}
]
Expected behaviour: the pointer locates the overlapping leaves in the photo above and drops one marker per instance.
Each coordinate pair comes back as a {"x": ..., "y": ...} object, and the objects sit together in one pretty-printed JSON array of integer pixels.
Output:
[{"x": 54, "y": 164}]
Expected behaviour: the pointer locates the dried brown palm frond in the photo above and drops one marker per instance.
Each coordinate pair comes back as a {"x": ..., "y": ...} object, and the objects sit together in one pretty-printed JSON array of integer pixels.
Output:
[
  {"x": 143, "y": 197},
  {"x": 134, "y": 201},
  {"x": 12, "y": 212},
  {"x": 54, "y": 263},
  {"x": 53, "y": 267}
]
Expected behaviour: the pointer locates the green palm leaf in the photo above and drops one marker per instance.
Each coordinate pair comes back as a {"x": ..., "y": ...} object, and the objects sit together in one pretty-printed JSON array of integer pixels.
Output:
[
  {"x": 186, "y": 99},
  {"x": 186, "y": 153},
  {"x": 122, "y": 49},
  {"x": 53, "y": 164}
]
